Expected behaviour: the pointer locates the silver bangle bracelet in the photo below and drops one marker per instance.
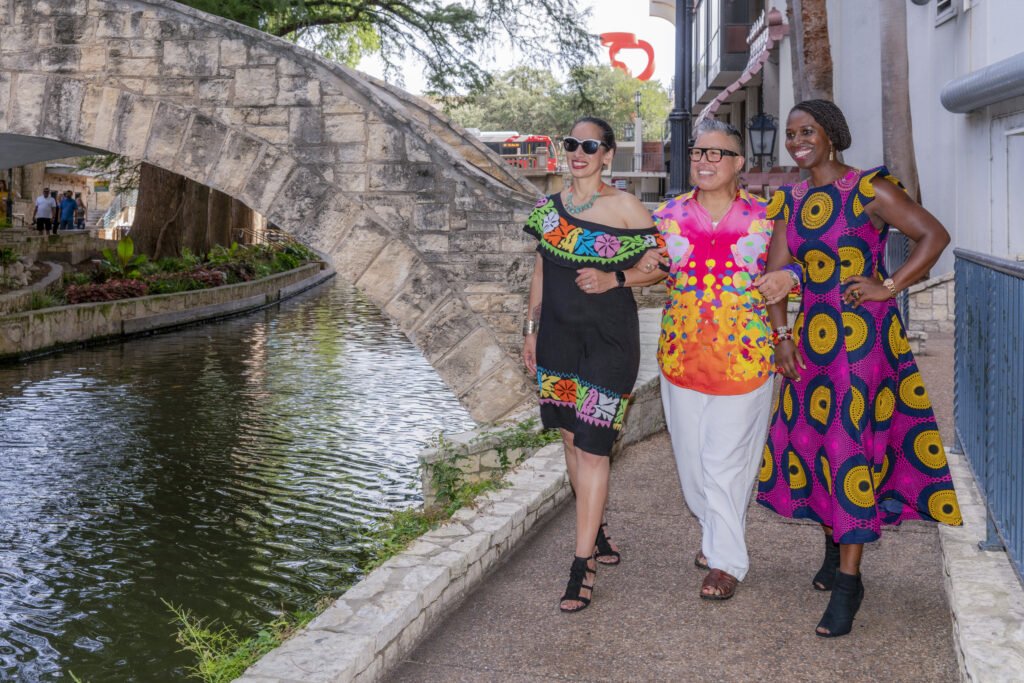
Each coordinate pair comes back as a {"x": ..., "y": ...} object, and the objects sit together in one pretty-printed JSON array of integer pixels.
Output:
[{"x": 530, "y": 326}]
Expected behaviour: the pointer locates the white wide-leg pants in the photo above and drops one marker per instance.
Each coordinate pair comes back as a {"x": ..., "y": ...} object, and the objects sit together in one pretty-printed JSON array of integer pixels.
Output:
[{"x": 717, "y": 442}]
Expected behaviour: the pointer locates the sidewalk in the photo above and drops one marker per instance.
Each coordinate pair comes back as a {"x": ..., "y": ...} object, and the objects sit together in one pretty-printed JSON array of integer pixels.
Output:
[{"x": 648, "y": 623}]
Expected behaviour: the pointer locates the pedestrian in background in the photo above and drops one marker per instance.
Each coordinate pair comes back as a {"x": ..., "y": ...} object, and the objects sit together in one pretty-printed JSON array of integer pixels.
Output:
[
  {"x": 583, "y": 333},
  {"x": 44, "y": 213},
  {"x": 79, "y": 212},
  {"x": 854, "y": 444},
  {"x": 715, "y": 349},
  {"x": 68, "y": 207}
]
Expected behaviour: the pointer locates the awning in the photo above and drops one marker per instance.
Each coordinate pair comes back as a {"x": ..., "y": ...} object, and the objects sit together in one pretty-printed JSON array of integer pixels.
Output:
[
  {"x": 994, "y": 83},
  {"x": 764, "y": 34}
]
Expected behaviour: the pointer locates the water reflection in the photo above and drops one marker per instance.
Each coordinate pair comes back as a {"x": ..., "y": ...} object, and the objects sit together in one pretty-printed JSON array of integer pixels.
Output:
[{"x": 231, "y": 468}]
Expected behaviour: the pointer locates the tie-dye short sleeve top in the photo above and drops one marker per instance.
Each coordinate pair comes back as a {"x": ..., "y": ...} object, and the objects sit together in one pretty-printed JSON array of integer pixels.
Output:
[{"x": 715, "y": 332}]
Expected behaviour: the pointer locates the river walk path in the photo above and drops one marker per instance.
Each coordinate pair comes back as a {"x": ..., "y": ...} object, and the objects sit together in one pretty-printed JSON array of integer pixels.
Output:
[{"x": 647, "y": 622}]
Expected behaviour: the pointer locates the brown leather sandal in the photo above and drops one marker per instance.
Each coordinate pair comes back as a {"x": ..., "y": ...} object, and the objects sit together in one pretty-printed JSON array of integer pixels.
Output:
[
  {"x": 723, "y": 582},
  {"x": 701, "y": 562}
]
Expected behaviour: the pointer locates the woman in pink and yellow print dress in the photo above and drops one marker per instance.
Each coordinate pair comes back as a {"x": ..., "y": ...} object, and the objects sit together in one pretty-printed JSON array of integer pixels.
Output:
[
  {"x": 715, "y": 348},
  {"x": 853, "y": 444}
]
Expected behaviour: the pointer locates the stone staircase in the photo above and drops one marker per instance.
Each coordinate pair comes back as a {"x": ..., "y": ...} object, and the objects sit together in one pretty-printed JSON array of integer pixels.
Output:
[{"x": 93, "y": 216}]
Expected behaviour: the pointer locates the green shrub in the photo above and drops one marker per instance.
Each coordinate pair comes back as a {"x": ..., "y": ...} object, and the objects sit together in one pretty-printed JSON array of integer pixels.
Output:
[
  {"x": 123, "y": 263},
  {"x": 76, "y": 278},
  {"x": 284, "y": 261},
  {"x": 44, "y": 300},
  {"x": 8, "y": 256},
  {"x": 224, "y": 655}
]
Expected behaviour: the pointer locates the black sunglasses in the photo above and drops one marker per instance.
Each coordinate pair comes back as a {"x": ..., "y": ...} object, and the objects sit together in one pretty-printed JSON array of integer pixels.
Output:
[
  {"x": 591, "y": 146},
  {"x": 712, "y": 153}
]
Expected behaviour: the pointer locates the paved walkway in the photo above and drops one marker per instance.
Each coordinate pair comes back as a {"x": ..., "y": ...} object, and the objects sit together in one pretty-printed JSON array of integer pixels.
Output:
[{"x": 647, "y": 622}]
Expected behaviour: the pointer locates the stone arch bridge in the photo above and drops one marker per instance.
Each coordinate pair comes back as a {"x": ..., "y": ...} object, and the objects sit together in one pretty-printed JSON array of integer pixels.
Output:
[{"x": 419, "y": 215}]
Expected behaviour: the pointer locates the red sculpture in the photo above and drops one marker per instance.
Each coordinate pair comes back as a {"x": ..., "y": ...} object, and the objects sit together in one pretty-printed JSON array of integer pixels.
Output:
[{"x": 627, "y": 41}]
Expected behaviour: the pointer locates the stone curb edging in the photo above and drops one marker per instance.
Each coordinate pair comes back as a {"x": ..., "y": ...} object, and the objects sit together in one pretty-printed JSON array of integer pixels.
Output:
[
  {"x": 379, "y": 620},
  {"x": 985, "y": 597},
  {"x": 19, "y": 298},
  {"x": 34, "y": 333}
]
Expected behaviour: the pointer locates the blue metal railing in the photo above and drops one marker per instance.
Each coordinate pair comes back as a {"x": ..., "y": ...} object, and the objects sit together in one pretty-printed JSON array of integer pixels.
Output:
[
  {"x": 897, "y": 251},
  {"x": 988, "y": 404}
]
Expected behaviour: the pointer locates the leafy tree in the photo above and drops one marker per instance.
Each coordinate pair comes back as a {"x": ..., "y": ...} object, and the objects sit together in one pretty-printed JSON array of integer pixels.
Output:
[
  {"x": 532, "y": 100},
  {"x": 447, "y": 38},
  {"x": 608, "y": 93},
  {"x": 122, "y": 171}
]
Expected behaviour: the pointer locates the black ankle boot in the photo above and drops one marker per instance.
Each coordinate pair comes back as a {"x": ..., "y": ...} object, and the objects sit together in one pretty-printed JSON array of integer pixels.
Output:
[
  {"x": 826, "y": 576},
  {"x": 847, "y": 594}
]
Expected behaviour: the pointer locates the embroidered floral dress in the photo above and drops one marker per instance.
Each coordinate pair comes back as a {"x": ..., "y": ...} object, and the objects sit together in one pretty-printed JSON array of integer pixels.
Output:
[
  {"x": 853, "y": 444},
  {"x": 588, "y": 345}
]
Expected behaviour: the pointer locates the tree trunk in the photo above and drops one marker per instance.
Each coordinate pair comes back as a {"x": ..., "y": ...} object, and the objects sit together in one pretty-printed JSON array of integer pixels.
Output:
[
  {"x": 811, "y": 53},
  {"x": 156, "y": 230},
  {"x": 195, "y": 217},
  {"x": 897, "y": 131},
  {"x": 241, "y": 222},
  {"x": 219, "y": 219}
]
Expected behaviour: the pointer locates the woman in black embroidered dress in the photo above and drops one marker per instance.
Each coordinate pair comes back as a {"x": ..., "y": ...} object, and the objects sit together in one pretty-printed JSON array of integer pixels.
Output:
[{"x": 583, "y": 340}]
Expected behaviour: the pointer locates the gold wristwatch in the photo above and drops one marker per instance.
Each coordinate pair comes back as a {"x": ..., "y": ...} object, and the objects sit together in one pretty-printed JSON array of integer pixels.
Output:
[{"x": 891, "y": 286}]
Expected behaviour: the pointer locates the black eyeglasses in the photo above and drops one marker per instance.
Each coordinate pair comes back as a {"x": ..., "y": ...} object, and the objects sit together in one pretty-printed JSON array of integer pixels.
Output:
[
  {"x": 713, "y": 154},
  {"x": 571, "y": 144}
]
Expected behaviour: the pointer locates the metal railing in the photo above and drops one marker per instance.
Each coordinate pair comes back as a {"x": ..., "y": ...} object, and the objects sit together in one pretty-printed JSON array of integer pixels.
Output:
[
  {"x": 651, "y": 162},
  {"x": 897, "y": 251},
  {"x": 988, "y": 403},
  {"x": 125, "y": 199},
  {"x": 530, "y": 161}
]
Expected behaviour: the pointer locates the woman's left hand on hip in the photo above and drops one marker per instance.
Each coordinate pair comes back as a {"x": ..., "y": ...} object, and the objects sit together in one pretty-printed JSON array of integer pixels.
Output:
[
  {"x": 594, "y": 281},
  {"x": 860, "y": 289}
]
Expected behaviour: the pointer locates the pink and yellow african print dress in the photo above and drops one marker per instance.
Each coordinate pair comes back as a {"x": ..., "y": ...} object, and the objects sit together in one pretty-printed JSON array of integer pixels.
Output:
[{"x": 854, "y": 443}]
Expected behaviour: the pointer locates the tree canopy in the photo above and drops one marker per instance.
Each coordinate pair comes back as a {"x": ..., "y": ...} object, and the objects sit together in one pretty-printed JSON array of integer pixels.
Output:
[
  {"x": 449, "y": 38},
  {"x": 532, "y": 100}
]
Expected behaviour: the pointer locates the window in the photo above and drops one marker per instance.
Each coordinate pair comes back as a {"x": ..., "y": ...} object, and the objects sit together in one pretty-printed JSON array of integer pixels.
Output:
[{"x": 945, "y": 10}]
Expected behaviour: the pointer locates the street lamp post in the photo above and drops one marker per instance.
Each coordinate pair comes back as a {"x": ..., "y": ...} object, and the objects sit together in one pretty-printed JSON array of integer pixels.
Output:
[
  {"x": 761, "y": 129},
  {"x": 638, "y": 137},
  {"x": 680, "y": 119}
]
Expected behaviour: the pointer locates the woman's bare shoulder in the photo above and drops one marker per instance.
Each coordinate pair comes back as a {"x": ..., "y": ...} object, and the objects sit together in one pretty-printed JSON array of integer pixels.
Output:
[{"x": 631, "y": 211}]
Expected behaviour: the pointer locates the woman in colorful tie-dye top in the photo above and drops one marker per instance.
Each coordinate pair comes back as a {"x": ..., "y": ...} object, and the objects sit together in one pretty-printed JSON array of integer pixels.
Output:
[{"x": 715, "y": 347}]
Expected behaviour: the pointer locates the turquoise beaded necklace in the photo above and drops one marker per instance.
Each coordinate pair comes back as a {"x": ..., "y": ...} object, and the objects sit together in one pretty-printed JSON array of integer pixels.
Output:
[{"x": 580, "y": 208}]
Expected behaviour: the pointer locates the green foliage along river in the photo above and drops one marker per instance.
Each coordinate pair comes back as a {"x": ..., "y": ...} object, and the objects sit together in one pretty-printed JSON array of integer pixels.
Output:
[{"x": 232, "y": 469}]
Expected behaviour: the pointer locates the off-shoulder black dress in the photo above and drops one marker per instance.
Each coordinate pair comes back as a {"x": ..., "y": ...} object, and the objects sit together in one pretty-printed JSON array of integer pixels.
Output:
[{"x": 588, "y": 346}]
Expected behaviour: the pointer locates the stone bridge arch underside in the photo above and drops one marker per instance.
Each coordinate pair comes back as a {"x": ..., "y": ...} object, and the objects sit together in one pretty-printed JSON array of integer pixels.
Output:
[{"x": 421, "y": 217}]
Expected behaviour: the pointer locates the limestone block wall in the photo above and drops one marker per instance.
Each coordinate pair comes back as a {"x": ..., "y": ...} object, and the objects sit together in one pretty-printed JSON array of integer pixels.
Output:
[
  {"x": 418, "y": 214},
  {"x": 931, "y": 305}
]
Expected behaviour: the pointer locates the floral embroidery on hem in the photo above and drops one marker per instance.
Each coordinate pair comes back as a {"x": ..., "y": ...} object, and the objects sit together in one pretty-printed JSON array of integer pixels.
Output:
[{"x": 595, "y": 405}]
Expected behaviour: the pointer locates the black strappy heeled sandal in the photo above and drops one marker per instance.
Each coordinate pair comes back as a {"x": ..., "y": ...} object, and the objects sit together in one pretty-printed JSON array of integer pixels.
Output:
[
  {"x": 577, "y": 573},
  {"x": 847, "y": 594},
  {"x": 826, "y": 576},
  {"x": 604, "y": 548}
]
